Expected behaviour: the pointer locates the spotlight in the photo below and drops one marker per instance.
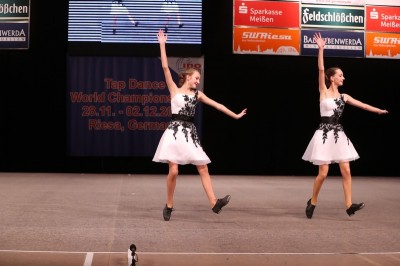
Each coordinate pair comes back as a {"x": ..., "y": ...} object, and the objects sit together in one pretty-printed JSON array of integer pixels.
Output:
[{"x": 135, "y": 258}]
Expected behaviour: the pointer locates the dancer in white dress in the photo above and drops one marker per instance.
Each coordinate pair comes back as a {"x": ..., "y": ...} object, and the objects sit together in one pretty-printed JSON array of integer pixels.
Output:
[
  {"x": 121, "y": 15},
  {"x": 172, "y": 14},
  {"x": 180, "y": 143},
  {"x": 329, "y": 143}
]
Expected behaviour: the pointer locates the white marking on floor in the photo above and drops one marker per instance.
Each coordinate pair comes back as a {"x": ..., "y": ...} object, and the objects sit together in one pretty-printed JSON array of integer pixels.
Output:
[
  {"x": 88, "y": 259},
  {"x": 129, "y": 257},
  {"x": 205, "y": 253}
]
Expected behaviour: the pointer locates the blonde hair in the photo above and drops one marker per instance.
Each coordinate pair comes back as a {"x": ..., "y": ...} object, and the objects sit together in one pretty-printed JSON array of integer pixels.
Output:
[{"x": 187, "y": 72}]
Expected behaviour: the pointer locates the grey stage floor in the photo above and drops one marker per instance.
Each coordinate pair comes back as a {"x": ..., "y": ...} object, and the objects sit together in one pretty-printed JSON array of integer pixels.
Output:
[{"x": 92, "y": 219}]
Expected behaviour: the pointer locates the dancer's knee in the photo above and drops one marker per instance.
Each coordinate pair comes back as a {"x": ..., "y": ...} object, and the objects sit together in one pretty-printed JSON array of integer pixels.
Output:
[
  {"x": 202, "y": 169},
  {"x": 173, "y": 171}
]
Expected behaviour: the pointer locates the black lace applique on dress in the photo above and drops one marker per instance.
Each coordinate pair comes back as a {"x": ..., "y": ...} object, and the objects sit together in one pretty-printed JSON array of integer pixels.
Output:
[
  {"x": 188, "y": 110},
  {"x": 333, "y": 122}
]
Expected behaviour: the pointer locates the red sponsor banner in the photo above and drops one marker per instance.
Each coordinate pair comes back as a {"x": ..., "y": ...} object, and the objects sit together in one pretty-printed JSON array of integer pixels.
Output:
[
  {"x": 266, "y": 41},
  {"x": 267, "y": 14},
  {"x": 382, "y": 45},
  {"x": 385, "y": 19}
]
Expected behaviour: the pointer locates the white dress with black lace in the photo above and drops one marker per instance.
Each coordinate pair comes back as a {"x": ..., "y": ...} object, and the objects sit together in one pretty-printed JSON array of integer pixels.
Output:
[
  {"x": 180, "y": 143},
  {"x": 170, "y": 7},
  {"x": 330, "y": 143}
]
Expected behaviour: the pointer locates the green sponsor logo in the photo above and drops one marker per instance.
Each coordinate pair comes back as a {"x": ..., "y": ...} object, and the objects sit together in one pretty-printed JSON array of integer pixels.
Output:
[
  {"x": 14, "y": 9},
  {"x": 340, "y": 17}
]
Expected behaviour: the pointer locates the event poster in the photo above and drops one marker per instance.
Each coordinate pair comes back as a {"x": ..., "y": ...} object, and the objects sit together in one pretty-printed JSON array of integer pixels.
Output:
[{"x": 120, "y": 106}]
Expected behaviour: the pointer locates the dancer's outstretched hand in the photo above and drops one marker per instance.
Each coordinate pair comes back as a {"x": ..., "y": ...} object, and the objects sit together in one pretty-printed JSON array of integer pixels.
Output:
[
  {"x": 242, "y": 113},
  {"x": 162, "y": 38},
  {"x": 319, "y": 40}
]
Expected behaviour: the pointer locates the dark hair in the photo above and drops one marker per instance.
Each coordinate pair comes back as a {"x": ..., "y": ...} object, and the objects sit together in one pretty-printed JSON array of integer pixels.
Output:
[
  {"x": 328, "y": 74},
  {"x": 185, "y": 73}
]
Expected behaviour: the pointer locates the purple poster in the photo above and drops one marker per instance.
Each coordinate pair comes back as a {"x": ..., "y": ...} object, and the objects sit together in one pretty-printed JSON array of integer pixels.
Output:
[{"x": 119, "y": 106}]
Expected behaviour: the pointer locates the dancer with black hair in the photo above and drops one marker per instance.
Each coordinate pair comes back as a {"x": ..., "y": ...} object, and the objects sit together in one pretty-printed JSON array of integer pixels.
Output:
[{"x": 330, "y": 144}]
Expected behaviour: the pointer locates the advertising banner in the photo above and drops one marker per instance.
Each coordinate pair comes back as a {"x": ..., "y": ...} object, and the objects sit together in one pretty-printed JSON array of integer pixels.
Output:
[
  {"x": 337, "y": 17},
  {"x": 382, "y": 45},
  {"x": 383, "y": 2},
  {"x": 14, "y": 24},
  {"x": 338, "y": 43},
  {"x": 336, "y": 2},
  {"x": 266, "y": 41},
  {"x": 383, "y": 19},
  {"x": 266, "y": 14},
  {"x": 273, "y": 27}
]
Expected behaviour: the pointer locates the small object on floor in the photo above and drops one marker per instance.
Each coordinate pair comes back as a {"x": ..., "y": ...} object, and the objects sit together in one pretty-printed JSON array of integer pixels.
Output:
[{"x": 134, "y": 256}]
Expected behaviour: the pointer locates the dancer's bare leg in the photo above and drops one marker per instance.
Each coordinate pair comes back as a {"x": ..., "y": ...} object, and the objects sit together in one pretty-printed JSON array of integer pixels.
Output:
[
  {"x": 132, "y": 20},
  {"x": 319, "y": 180},
  {"x": 207, "y": 184},
  {"x": 346, "y": 174},
  {"x": 171, "y": 183},
  {"x": 178, "y": 18},
  {"x": 166, "y": 26}
]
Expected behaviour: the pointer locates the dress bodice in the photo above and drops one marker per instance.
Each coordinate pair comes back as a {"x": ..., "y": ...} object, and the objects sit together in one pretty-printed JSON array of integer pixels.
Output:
[
  {"x": 118, "y": 9},
  {"x": 331, "y": 110},
  {"x": 329, "y": 143},
  {"x": 184, "y": 104},
  {"x": 332, "y": 107}
]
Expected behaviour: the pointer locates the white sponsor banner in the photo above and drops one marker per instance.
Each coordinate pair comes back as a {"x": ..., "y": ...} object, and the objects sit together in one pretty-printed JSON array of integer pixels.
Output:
[
  {"x": 338, "y": 2},
  {"x": 383, "y": 2}
]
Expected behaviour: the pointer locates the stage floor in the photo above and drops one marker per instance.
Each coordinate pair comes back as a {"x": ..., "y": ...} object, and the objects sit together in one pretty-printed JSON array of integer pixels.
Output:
[{"x": 92, "y": 219}]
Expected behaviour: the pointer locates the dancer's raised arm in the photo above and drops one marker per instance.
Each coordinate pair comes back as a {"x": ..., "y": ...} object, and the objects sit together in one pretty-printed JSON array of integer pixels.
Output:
[
  {"x": 321, "y": 68},
  {"x": 162, "y": 39}
]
